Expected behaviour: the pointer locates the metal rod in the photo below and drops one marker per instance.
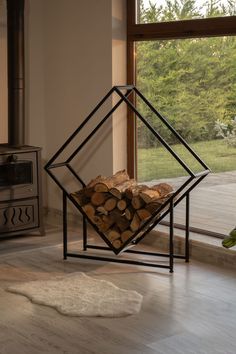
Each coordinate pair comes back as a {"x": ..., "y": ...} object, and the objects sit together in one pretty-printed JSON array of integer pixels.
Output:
[
  {"x": 56, "y": 181},
  {"x": 164, "y": 120},
  {"x": 79, "y": 128},
  {"x": 118, "y": 260},
  {"x": 176, "y": 202},
  {"x": 64, "y": 225},
  {"x": 157, "y": 221},
  {"x": 168, "y": 207},
  {"x": 76, "y": 175},
  {"x": 171, "y": 236},
  {"x": 91, "y": 223},
  {"x": 96, "y": 128},
  {"x": 153, "y": 254},
  {"x": 156, "y": 134},
  {"x": 84, "y": 234},
  {"x": 65, "y": 164},
  {"x": 187, "y": 228},
  {"x": 202, "y": 173},
  {"x": 58, "y": 164}
]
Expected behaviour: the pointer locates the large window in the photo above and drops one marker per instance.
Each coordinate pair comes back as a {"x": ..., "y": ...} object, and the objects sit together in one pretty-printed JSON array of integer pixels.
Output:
[
  {"x": 163, "y": 11},
  {"x": 184, "y": 62}
]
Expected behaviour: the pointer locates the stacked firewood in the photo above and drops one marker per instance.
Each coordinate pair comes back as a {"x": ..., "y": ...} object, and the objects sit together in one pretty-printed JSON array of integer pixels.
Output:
[{"x": 119, "y": 205}]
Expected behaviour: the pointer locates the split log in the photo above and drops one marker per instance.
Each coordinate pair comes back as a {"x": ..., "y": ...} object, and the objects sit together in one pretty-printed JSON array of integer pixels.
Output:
[
  {"x": 121, "y": 204},
  {"x": 129, "y": 212},
  {"x": 119, "y": 219},
  {"x": 126, "y": 235},
  {"x": 101, "y": 210},
  {"x": 117, "y": 243},
  {"x": 97, "y": 220},
  {"x": 110, "y": 204},
  {"x": 113, "y": 234},
  {"x": 163, "y": 189},
  {"x": 144, "y": 214},
  {"x": 137, "y": 202},
  {"x": 115, "y": 214},
  {"x": 105, "y": 223},
  {"x": 154, "y": 206},
  {"x": 94, "y": 181},
  {"x": 108, "y": 219},
  {"x": 135, "y": 223},
  {"x": 80, "y": 197},
  {"x": 150, "y": 195},
  {"x": 119, "y": 190},
  {"x": 156, "y": 192},
  {"x": 122, "y": 223},
  {"x": 106, "y": 184},
  {"x": 135, "y": 190},
  {"x": 99, "y": 198},
  {"x": 88, "y": 191},
  {"x": 89, "y": 210}
]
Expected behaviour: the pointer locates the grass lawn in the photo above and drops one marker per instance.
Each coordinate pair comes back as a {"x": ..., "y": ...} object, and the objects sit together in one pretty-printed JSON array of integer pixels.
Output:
[{"x": 158, "y": 163}]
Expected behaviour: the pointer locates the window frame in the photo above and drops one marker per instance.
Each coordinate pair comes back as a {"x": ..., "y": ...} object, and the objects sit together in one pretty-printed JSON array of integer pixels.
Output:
[{"x": 196, "y": 28}]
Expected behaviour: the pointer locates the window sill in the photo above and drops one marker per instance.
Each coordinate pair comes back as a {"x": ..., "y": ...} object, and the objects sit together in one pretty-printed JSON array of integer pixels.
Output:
[{"x": 203, "y": 248}]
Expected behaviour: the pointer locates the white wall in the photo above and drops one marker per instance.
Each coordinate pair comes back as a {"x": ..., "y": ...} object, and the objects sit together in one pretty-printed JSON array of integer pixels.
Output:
[{"x": 71, "y": 50}]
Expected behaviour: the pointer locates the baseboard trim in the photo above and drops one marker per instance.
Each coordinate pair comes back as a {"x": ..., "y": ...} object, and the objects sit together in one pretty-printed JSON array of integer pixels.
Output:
[{"x": 54, "y": 217}]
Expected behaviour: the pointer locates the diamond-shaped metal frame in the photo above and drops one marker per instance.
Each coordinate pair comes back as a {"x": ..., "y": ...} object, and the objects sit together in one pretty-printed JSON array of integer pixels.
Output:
[{"x": 167, "y": 208}]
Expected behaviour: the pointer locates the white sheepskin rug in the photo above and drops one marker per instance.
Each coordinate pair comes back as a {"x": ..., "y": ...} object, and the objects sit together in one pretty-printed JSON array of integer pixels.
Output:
[{"x": 81, "y": 295}]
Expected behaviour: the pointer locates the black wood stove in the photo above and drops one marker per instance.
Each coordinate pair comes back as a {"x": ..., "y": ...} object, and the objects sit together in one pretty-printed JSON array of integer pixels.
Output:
[{"x": 20, "y": 171}]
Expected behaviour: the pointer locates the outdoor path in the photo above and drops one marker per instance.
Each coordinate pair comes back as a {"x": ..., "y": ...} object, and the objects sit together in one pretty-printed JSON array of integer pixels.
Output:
[{"x": 213, "y": 203}]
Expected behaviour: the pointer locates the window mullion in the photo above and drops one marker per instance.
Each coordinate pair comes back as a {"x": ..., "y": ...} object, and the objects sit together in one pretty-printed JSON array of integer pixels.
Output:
[{"x": 207, "y": 27}]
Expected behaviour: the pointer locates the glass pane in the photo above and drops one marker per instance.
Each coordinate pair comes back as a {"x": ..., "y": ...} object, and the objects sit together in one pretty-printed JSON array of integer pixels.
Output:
[
  {"x": 151, "y": 11},
  {"x": 192, "y": 82},
  {"x": 14, "y": 173}
]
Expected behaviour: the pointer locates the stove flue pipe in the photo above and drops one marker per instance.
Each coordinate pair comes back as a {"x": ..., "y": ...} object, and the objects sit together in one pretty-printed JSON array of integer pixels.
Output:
[{"x": 16, "y": 90}]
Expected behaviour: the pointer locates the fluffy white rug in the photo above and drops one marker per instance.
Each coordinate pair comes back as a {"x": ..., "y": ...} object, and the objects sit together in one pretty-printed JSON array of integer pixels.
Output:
[{"x": 81, "y": 295}]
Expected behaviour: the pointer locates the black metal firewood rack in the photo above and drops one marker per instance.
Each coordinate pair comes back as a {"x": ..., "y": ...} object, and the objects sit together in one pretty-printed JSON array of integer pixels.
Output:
[{"x": 127, "y": 94}]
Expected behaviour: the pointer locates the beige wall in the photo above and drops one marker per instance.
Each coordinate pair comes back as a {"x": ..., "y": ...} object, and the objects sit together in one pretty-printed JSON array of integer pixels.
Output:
[
  {"x": 119, "y": 78},
  {"x": 35, "y": 74},
  {"x": 72, "y": 48}
]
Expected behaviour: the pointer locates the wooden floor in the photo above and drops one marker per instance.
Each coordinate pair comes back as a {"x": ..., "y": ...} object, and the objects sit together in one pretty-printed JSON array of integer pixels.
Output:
[{"x": 192, "y": 311}]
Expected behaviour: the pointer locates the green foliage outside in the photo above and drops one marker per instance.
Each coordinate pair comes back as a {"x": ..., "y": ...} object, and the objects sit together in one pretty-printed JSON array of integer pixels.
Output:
[
  {"x": 227, "y": 131},
  {"x": 156, "y": 163},
  {"x": 174, "y": 10},
  {"x": 192, "y": 82}
]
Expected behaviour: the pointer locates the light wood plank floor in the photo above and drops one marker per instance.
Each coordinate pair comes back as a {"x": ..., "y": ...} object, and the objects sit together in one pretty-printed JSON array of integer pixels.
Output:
[{"x": 192, "y": 311}]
